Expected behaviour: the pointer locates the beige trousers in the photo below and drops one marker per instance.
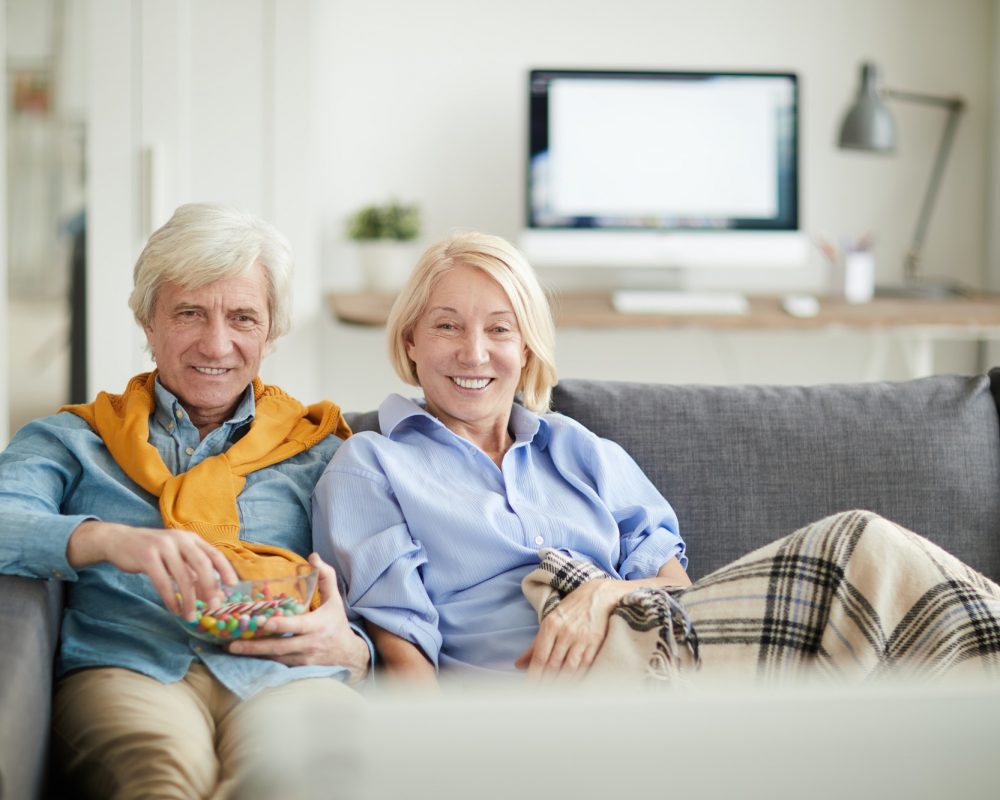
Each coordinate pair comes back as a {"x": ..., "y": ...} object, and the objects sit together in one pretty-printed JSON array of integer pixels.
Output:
[{"x": 121, "y": 734}]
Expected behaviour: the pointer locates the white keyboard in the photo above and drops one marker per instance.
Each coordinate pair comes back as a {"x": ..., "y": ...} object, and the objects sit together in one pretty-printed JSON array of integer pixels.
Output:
[{"x": 641, "y": 301}]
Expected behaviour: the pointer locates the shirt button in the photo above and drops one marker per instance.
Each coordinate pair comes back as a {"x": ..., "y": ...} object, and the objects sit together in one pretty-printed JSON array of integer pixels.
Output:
[
  {"x": 539, "y": 540},
  {"x": 179, "y": 414},
  {"x": 189, "y": 451},
  {"x": 197, "y": 648},
  {"x": 170, "y": 426},
  {"x": 56, "y": 573}
]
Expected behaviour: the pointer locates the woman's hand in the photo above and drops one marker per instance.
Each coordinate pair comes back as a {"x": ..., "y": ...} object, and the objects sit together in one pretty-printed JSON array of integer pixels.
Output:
[
  {"x": 570, "y": 637},
  {"x": 321, "y": 637},
  {"x": 177, "y": 562}
]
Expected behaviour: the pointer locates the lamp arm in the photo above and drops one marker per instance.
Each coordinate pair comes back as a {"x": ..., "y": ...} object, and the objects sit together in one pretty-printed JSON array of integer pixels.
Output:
[{"x": 954, "y": 105}]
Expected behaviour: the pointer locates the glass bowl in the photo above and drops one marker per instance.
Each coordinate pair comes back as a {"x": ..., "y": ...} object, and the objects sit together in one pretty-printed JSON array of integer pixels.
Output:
[{"x": 247, "y": 605}]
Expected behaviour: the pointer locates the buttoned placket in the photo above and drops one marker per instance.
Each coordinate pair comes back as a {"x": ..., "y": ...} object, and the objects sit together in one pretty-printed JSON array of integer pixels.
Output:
[{"x": 511, "y": 453}]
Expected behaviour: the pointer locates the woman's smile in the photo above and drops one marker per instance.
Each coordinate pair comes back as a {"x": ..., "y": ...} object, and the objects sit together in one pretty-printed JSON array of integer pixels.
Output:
[
  {"x": 469, "y": 353},
  {"x": 472, "y": 383}
]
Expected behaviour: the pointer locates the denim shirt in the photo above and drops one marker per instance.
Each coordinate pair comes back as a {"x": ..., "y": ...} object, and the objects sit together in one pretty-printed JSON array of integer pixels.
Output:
[{"x": 57, "y": 473}]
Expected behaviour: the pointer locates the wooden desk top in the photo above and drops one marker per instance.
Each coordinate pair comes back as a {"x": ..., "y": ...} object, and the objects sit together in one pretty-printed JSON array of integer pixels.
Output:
[{"x": 575, "y": 309}]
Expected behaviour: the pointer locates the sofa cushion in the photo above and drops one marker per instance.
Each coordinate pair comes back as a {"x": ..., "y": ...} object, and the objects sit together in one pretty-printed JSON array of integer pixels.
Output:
[
  {"x": 31, "y": 610},
  {"x": 743, "y": 465},
  {"x": 362, "y": 421}
]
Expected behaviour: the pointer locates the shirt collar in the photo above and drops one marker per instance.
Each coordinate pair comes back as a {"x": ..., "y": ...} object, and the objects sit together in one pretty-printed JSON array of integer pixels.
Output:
[
  {"x": 167, "y": 406},
  {"x": 397, "y": 410},
  {"x": 526, "y": 426}
]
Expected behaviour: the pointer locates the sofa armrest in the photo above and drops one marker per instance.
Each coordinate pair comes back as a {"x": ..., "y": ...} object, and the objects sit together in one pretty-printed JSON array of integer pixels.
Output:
[{"x": 31, "y": 611}]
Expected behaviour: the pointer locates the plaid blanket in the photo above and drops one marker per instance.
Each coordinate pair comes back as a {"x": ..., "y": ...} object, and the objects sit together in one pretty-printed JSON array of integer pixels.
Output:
[{"x": 850, "y": 597}]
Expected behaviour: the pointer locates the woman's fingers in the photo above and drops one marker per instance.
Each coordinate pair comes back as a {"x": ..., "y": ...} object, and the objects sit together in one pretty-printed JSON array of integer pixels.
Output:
[
  {"x": 524, "y": 659},
  {"x": 570, "y": 637}
]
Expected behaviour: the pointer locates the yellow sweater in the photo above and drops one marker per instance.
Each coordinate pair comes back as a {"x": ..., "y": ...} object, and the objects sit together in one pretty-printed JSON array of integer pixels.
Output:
[{"x": 203, "y": 499}]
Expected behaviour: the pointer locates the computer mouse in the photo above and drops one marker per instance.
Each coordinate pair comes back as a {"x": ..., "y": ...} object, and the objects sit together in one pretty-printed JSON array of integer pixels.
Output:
[{"x": 800, "y": 305}]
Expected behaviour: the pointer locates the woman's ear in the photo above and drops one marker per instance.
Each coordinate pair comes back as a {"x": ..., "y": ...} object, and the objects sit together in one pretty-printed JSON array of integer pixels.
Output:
[{"x": 408, "y": 343}]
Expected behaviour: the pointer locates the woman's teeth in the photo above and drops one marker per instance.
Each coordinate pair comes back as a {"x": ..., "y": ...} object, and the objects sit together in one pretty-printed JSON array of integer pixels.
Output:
[{"x": 471, "y": 383}]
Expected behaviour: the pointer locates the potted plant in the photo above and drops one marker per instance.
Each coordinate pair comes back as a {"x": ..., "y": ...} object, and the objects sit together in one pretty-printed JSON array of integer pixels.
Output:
[{"x": 385, "y": 234}]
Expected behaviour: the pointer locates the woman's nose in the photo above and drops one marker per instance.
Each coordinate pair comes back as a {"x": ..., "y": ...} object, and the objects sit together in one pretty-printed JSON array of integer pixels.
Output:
[{"x": 473, "y": 350}]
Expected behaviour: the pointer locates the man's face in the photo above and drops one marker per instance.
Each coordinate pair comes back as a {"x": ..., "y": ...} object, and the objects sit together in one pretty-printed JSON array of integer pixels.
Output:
[{"x": 208, "y": 342}]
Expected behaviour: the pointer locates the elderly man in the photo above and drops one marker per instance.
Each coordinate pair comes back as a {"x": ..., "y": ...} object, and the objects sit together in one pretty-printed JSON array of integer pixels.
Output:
[{"x": 142, "y": 501}]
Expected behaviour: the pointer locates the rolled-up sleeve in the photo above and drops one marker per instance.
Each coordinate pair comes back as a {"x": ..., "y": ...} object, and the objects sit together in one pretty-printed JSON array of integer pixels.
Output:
[
  {"x": 647, "y": 524},
  {"x": 359, "y": 528},
  {"x": 35, "y": 471}
]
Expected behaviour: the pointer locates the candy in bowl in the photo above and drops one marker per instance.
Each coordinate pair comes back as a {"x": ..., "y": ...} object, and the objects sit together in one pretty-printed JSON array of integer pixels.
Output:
[{"x": 244, "y": 607}]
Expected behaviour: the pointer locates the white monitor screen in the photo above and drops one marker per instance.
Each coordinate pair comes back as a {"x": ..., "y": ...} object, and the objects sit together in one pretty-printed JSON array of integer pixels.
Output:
[{"x": 663, "y": 150}]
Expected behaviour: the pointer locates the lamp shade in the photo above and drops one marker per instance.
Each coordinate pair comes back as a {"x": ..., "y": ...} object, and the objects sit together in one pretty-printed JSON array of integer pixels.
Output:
[{"x": 868, "y": 124}]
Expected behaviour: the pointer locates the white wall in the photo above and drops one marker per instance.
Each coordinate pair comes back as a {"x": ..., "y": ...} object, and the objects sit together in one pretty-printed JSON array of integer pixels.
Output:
[
  {"x": 215, "y": 96},
  {"x": 4, "y": 359},
  {"x": 427, "y": 101},
  {"x": 304, "y": 110}
]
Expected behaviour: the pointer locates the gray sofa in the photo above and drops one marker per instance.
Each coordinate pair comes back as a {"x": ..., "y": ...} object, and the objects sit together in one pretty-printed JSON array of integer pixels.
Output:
[{"x": 741, "y": 465}]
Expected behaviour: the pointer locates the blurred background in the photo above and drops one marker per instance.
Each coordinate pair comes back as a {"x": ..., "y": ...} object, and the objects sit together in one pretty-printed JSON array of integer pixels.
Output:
[{"x": 302, "y": 111}]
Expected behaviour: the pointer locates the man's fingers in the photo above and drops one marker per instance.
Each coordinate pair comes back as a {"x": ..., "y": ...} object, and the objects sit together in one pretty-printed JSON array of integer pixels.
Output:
[
  {"x": 327, "y": 584},
  {"x": 221, "y": 564},
  {"x": 167, "y": 589}
]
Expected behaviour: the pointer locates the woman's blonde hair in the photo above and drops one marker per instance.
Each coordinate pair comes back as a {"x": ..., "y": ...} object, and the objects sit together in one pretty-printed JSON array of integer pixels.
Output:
[
  {"x": 505, "y": 265},
  {"x": 203, "y": 243}
]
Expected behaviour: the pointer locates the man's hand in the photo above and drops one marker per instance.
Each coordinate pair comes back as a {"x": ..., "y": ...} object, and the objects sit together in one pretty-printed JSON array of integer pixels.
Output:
[
  {"x": 176, "y": 561},
  {"x": 321, "y": 637}
]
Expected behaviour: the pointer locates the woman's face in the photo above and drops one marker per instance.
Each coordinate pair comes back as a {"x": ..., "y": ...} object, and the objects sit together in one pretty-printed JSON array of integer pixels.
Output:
[
  {"x": 208, "y": 342},
  {"x": 469, "y": 353}
]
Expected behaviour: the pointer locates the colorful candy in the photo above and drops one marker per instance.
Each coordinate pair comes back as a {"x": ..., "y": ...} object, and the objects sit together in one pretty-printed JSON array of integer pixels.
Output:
[{"x": 242, "y": 616}]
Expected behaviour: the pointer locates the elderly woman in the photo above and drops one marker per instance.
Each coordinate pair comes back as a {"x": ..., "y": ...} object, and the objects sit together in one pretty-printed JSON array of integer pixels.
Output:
[
  {"x": 142, "y": 501},
  {"x": 437, "y": 524}
]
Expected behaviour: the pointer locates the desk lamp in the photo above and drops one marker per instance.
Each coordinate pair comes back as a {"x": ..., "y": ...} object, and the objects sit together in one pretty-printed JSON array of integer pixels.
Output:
[{"x": 868, "y": 125}]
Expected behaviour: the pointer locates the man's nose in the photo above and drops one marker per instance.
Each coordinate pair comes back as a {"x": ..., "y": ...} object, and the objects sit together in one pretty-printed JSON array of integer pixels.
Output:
[{"x": 215, "y": 339}]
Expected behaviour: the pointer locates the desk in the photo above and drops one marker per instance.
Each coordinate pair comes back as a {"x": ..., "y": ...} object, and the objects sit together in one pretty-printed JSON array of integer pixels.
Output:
[{"x": 915, "y": 324}]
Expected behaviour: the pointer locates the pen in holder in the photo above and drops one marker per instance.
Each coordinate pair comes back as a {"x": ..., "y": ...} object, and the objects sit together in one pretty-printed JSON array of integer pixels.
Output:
[
  {"x": 851, "y": 268},
  {"x": 859, "y": 276}
]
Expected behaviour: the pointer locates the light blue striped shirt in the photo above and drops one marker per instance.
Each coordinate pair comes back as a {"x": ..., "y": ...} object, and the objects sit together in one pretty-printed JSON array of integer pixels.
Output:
[
  {"x": 56, "y": 473},
  {"x": 432, "y": 539}
]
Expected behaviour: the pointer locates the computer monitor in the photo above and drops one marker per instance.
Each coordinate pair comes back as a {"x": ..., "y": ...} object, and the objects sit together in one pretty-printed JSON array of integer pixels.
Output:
[{"x": 658, "y": 168}]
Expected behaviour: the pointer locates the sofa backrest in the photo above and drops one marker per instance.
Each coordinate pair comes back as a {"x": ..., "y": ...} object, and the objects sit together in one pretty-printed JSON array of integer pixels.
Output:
[{"x": 743, "y": 465}]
